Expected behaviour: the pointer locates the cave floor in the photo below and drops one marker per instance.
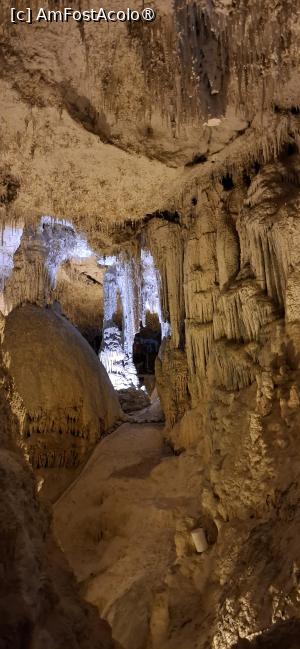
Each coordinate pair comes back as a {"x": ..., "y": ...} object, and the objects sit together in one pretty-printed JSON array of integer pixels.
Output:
[{"x": 117, "y": 523}]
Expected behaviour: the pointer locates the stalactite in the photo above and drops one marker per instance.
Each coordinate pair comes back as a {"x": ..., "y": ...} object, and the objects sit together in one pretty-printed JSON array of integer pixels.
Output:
[
  {"x": 231, "y": 366},
  {"x": 163, "y": 239},
  {"x": 242, "y": 311},
  {"x": 151, "y": 290},
  {"x": 269, "y": 255},
  {"x": 199, "y": 338},
  {"x": 200, "y": 304},
  {"x": 137, "y": 283},
  {"x": 34, "y": 256},
  {"x": 112, "y": 353}
]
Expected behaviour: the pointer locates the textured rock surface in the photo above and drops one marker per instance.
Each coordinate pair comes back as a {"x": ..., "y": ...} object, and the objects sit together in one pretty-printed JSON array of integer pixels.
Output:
[
  {"x": 40, "y": 604},
  {"x": 119, "y": 539},
  {"x": 228, "y": 378},
  {"x": 79, "y": 290},
  {"x": 180, "y": 91},
  {"x": 64, "y": 399},
  {"x": 180, "y": 138}
]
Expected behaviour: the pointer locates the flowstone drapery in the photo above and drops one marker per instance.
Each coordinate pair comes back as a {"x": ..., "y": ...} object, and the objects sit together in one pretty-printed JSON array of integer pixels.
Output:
[{"x": 59, "y": 421}]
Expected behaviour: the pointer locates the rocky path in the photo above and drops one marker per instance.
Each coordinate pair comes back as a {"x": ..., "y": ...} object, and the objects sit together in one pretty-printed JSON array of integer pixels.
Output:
[{"x": 116, "y": 524}]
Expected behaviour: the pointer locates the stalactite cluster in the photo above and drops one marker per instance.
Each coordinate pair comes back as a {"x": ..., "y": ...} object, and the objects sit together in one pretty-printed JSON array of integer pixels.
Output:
[
  {"x": 137, "y": 284},
  {"x": 229, "y": 388},
  {"x": 29, "y": 268}
]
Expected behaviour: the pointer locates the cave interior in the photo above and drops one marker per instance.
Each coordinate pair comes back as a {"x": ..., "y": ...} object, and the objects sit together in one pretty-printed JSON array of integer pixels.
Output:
[{"x": 150, "y": 328}]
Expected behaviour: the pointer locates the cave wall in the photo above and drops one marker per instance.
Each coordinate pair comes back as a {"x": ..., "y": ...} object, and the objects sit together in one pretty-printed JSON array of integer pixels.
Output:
[
  {"x": 229, "y": 269},
  {"x": 79, "y": 291},
  {"x": 228, "y": 379},
  {"x": 40, "y": 604}
]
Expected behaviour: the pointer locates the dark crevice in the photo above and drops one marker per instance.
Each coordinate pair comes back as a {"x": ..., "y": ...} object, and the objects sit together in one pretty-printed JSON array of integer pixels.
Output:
[
  {"x": 9, "y": 188},
  {"x": 165, "y": 215},
  {"x": 256, "y": 166},
  {"x": 146, "y": 346},
  {"x": 282, "y": 635},
  {"x": 246, "y": 179},
  {"x": 171, "y": 217},
  {"x": 91, "y": 279},
  {"x": 281, "y": 110},
  {"x": 199, "y": 158},
  {"x": 227, "y": 183},
  {"x": 289, "y": 149},
  {"x": 82, "y": 111}
]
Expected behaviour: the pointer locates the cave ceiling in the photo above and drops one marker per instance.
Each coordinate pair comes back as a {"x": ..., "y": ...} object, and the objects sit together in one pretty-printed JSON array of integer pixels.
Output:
[{"x": 178, "y": 103}]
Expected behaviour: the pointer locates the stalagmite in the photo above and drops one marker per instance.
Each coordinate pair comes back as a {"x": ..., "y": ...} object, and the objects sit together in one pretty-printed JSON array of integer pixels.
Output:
[
  {"x": 199, "y": 540},
  {"x": 58, "y": 423}
]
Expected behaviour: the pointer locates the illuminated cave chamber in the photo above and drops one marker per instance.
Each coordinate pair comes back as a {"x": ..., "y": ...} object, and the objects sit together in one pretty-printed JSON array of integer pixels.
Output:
[
  {"x": 59, "y": 421},
  {"x": 30, "y": 257},
  {"x": 114, "y": 301},
  {"x": 180, "y": 137},
  {"x": 131, "y": 301},
  {"x": 115, "y": 304}
]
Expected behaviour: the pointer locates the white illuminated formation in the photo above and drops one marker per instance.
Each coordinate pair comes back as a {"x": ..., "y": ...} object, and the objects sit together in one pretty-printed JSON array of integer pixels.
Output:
[
  {"x": 29, "y": 261},
  {"x": 112, "y": 353},
  {"x": 10, "y": 241},
  {"x": 137, "y": 284},
  {"x": 60, "y": 242},
  {"x": 30, "y": 258},
  {"x": 150, "y": 292}
]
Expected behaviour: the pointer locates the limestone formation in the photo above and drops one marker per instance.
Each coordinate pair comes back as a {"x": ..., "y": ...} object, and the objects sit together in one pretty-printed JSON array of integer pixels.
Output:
[
  {"x": 60, "y": 420},
  {"x": 40, "y": 605},
  {"x": 150, "y": 173},
  {"x": 79, "y": 291},
  {"x": 134, "y": 284}
]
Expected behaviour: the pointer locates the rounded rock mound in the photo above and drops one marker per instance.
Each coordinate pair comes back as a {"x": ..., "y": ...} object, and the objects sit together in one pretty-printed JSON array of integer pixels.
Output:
[{"x": 63, "y": 396}]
